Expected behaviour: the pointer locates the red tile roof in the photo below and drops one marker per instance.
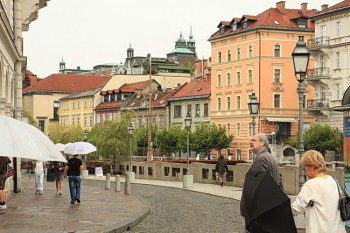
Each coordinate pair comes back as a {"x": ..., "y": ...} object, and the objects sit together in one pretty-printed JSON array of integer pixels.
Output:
[
  {"x": 68, "y": 83},
  {"x": 345, "y": 3},
  {"x": 268, "y": 19},
  {"x": 32, "y": 79},
  {"x": 197, "y": 87}
]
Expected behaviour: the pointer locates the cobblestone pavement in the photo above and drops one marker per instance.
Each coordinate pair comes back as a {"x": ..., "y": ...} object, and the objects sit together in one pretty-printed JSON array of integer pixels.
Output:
[{"x": 179, "y": 210}]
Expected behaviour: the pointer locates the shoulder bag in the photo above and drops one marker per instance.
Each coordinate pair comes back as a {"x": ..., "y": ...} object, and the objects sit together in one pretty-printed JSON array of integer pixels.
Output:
[
  {"x": 10, "y": 171},
  {"x": 344, "y": 203}
]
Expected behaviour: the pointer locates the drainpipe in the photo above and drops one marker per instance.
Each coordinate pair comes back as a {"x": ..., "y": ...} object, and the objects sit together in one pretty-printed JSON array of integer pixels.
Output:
[{"x": 259, "y": 74}]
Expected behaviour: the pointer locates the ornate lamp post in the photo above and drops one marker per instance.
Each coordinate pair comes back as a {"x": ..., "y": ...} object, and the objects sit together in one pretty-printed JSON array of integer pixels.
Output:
[
  {"x": 85, "y": 137},
  {"x": 188, "y": 122},
  {"x": 253, "y": 106},
  {"x": 301, "y": 56},
  {"x": 131, "y": 133}
]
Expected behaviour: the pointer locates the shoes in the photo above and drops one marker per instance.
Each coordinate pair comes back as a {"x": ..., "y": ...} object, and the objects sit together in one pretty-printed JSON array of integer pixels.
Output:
[
  {"x": 72, "y": 202},
  {"x": 59, "y": 193},
  {"x": 222, "y": 183},
  {"x": 3, "y": 207},
  {"x": 78, "y": 200},
  {"x": 40, "y": 193},
  {"x": 37, "y": 192}
]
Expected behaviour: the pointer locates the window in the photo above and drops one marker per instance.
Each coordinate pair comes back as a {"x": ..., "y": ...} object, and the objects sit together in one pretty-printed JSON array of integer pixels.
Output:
[
  {"x": 90, "y": 120},
  {"x": 277, "y": 76},
  {"x": 323, "y": 30},
  {"x": 277, "y": 100},
  {"x": 112, "y": 98},
  {"x": 234, "y": 26},
  {"x": 228, "y": 103},
  {"x": 161, "y": 122},
  {"x": 277, "y": 51},
  {"x": 219, "y": 57},
  {"x": 245, "y": 23},
  {"x": 73, "y": 105},
  {"x": 239, "y": 154},
  {"x": 250, "y": 51},
  {"x": 78, "y": 104},
  {"x": 228, "y": 128},
  {"x": 140, "y": 122},
  {"x": 323, "y": 61},
  {"x": 222, "y": 30},
  {"x": 56, "y": 105},
  {"x": 228, "y": 82},
  {"x": 302, "y": 23},
  {"x": 78, "y": 121},
  {"x": 238, "y": 128},
  {"x": 219, "y": 80},
  {"x": 229, "y": 55},
  {"x": 337, "y": 88},
  {"x": 197, "y": 110},
  {"x": 337, "y": 29},
  {"x": 238, "y": 78},
  {"x": 85, "y": 104},
  {"x": 85, "y": 121},
  {"x": 189, "y": 109},
  {"x": 238, "y": 102},
  {"x": 337, "y": 60},
  {"x": 238, "y": 54},
  {"x": 73, "y": 121},
  {"x": 177, "y": 111},
  {"x": 42, "y": 125},
  {"x": 105, "y": 98},
  {"x": 206, "y": 110},
  {"x": 250, "y": 76},
  {"x": 323, "y": 93},
  {"x": 219, "y": 104}
]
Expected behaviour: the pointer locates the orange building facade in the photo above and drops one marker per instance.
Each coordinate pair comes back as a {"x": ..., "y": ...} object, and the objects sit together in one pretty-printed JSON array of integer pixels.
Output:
[{"x": 252, "y": 54}]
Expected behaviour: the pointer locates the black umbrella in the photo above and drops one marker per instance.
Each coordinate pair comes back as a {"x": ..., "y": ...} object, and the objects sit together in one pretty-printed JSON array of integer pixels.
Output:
[{"x": 265, "y": 207}]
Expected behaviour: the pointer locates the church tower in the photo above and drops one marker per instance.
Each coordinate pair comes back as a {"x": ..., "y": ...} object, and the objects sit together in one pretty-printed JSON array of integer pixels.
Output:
[
  {"x": 191, "y": 44},
  {"x": 62, "y": 66},
  {"x": 130, "y": 52}
]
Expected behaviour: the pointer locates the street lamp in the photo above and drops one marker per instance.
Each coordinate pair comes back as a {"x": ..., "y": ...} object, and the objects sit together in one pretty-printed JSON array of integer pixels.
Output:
[
  {"x": 253, "y": 106},
  {"x": 85, "y": 136},
  {"x": 301, "y": 56},
  {"x": 131, "y": 133},
  {"x": 188, "y": 122}
]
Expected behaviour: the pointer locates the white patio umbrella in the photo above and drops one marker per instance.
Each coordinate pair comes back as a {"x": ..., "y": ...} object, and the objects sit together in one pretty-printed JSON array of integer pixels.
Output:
[
  {"x": 20, "y": 139},
  {"x": 60, "y": 146},
  {"x": 81, "y": 148}
]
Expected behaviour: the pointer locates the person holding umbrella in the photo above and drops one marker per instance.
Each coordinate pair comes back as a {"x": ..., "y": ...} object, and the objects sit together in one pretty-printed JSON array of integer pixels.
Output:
[
  {"x": 4, "y": 161},
  {"x": 72, "y": 169},
  {"x": 264, "y": 205},
  {"x": 318, "y": 198}
]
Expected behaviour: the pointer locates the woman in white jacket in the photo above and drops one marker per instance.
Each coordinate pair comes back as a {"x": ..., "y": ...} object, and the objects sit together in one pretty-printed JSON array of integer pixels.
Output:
[{"x": 318, "y": 198}]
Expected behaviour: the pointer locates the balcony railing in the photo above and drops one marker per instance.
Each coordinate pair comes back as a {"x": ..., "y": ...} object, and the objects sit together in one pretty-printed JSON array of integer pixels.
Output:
[
  {"x": 318, "y": 42},
  {"x": 318, "y": 72},
  {"x": 318, "y": 103}
]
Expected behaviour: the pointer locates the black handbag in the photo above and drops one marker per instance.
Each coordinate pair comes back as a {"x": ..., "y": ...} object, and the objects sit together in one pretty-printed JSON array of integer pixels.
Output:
[{"x": 343, "y": 203}]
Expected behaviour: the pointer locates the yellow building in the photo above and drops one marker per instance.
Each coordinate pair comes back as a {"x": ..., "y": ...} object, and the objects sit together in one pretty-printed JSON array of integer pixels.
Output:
[{"x": 252, "y": 54}]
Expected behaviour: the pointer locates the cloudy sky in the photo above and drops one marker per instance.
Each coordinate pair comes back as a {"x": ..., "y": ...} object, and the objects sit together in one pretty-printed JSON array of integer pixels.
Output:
[{"x": 88, "y": 32}]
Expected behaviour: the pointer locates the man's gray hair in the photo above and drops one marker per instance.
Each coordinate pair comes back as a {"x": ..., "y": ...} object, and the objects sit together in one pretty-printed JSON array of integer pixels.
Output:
[{"x": 263, "y": 138}]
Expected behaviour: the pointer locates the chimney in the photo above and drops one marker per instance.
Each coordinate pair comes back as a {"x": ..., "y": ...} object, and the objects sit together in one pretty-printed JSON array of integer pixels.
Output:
[
  {"x": 324, "y": 7},
  {"x": 281, "y": 6},
  {"x": 304, "y": 8}
]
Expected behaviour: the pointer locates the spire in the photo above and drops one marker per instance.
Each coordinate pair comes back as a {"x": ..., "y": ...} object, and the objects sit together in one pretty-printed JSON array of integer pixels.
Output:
[
  {"x": 62, "y": 66},
  {"x": 130, "y": 52}
]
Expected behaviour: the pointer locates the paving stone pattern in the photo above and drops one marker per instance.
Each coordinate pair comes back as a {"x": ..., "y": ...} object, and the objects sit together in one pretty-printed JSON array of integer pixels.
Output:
[{"x": 179, "y": 210}]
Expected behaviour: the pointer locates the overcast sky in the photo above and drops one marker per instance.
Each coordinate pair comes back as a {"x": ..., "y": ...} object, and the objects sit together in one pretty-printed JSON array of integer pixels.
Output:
[{"x": 86, "y": 33}]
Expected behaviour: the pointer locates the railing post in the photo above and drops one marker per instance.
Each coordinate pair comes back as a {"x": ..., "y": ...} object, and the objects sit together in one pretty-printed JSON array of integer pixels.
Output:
[
  {"x": 108, "y": 182},
  {"x": 117, "y": 183}
]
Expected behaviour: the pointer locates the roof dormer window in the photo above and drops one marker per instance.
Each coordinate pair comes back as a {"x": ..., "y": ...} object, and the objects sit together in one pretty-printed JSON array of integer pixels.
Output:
[
  {"x": 222, "y": 30},
  {"x": 245, "y": 23},
  {"x": 234, "y": 26},
  {"x": 302, "y": 23}
]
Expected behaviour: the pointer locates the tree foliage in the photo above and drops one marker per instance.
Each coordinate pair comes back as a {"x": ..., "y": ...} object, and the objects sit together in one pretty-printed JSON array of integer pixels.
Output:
[
  {"x": 172, "y": 140},
  {"x": 200, "y": 140},
  {"x": 321, "y": 138},
  {"x": 218, "y": 137},
  {"x": 65, "y": 134}
]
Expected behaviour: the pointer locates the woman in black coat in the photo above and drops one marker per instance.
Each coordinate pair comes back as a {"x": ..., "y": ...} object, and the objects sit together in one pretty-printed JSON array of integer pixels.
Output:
[{"x": 221, "y": 168}]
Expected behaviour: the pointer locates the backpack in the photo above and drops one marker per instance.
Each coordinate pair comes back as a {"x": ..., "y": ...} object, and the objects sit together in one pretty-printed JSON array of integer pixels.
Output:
[{"x": 39, "y": 168}]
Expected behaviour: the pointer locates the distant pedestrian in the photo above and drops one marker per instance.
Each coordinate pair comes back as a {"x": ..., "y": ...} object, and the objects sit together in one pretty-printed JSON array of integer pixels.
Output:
[
  {"x": 4, "y": 161},
  {"x": 73, "y": 169},
  {"x": 58, "y": 168},
  {"x": 39, "y": 172},
  {"x": 221, "y": 168},
  {"x": 318, "y": 198}
]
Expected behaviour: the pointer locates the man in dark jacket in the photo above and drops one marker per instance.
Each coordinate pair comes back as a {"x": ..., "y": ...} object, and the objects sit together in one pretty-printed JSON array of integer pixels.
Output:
[
  {"x": 73, "y": 169},
  {"x": 221, "y": 168}
]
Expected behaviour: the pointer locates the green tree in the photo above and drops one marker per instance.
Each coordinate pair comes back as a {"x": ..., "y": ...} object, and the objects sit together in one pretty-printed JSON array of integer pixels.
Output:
[
  {"x": 172, "y": 140},
  {"x": 200, "y": 140},
  {"x": 321, "y": 138},
  {"x": 65, "y": 134},
  {"x": 218, "y": 138}
]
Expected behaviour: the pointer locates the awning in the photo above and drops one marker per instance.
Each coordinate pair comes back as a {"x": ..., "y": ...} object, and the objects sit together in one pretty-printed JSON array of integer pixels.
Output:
[{"x": 280, "y": 119}]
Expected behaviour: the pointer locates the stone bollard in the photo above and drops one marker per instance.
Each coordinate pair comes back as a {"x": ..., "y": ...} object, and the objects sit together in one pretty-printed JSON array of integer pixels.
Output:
[
  {"x": 117, "y": 183},
  {"x": 108, "y": 181},
  {"x": 127, "y": 189}
]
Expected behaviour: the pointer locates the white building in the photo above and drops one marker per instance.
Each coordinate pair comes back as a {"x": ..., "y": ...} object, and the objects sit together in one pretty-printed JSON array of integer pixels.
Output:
[
  {"x": 16, "y": 15},
  {"x": 331, "y": 51}
]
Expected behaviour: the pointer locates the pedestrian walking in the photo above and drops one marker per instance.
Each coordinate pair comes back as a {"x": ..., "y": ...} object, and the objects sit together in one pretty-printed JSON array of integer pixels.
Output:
[
  {"x": 58, "y": 168},
  {"x": 221, "y": 168},
  {"x": 39, "y": 172},
  {"x": 72, "y": 169},
  {"x": 4, "y": 163},
  {"x": 318, "y": 198}
]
